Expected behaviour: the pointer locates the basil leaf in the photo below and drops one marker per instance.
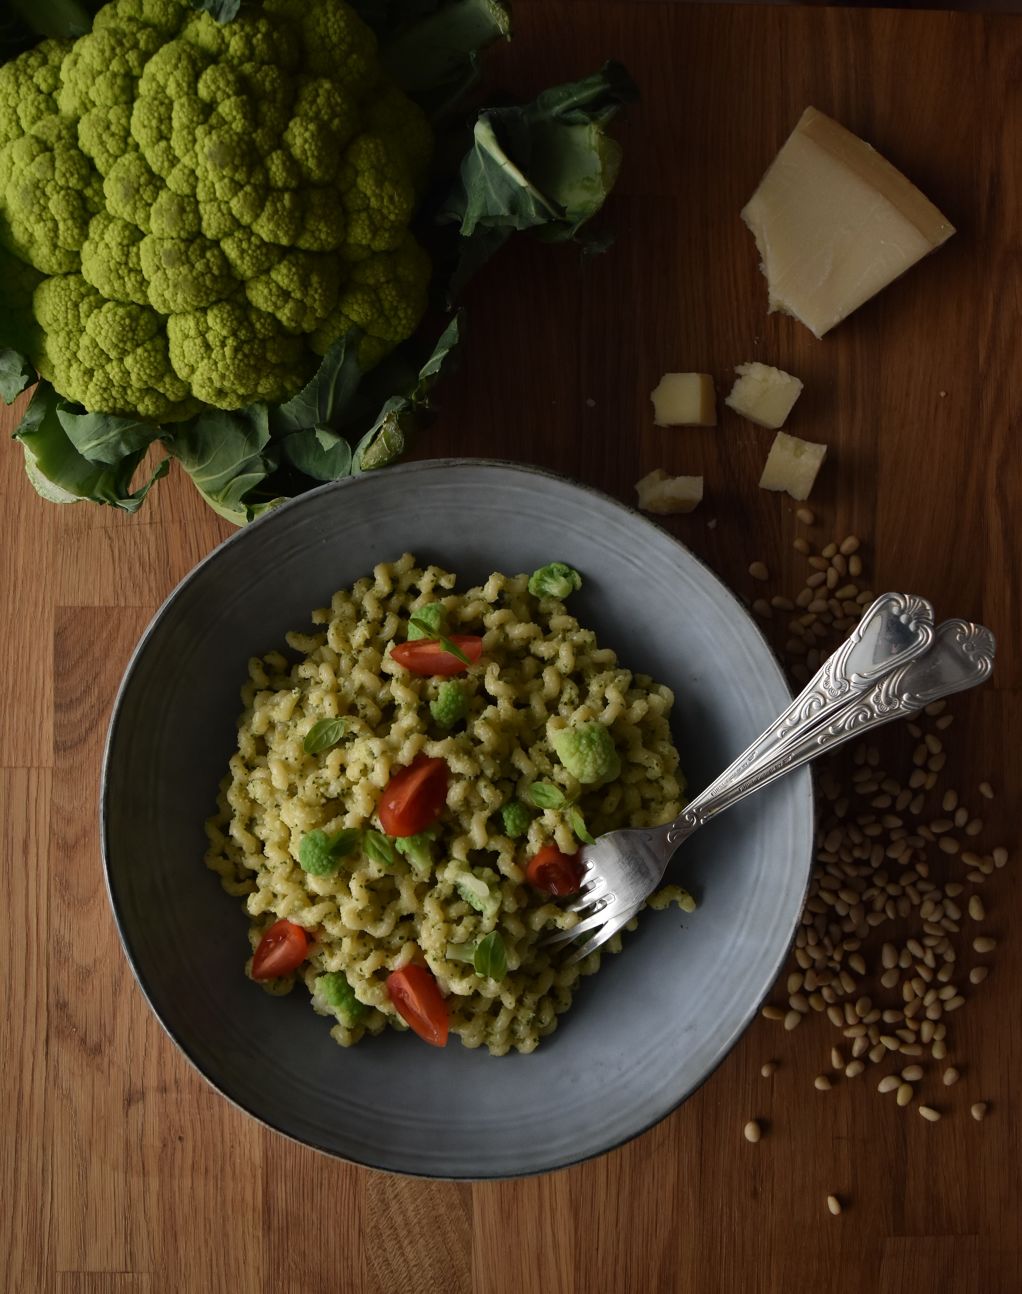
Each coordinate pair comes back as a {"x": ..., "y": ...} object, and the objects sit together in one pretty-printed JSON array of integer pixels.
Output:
[
  {"x": 490, "y": 959},
  {"x": 578, "y": 826},
  {"x": 544, "y": 795},
  {"x": 323, "y": 734},
  {"x": 428, "y": 631},
  {"x": 461, "y": 952},
  {"x": 378, "y": 848}
]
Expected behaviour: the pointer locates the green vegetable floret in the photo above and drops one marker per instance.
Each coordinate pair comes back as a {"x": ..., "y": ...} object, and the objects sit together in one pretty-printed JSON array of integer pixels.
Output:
[
  {"x": 433, "y": 615},
  {"x": 588, "y": 753},
  {"x": 555, "y": 580},
  {"x": 516, "y": 819},
  {"x": 320, "y": 854},
  {"x": 450, "y": 705},
  {"x": 418, "y": 849},
  {"x": 215, "y": 205},
  {"x": 334, "y": 991}
]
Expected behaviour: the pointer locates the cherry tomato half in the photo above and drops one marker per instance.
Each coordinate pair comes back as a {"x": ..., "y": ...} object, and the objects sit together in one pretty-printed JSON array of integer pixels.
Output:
[
  {"x": 427, "y": 656},
  {"x": 554, "y": 872},
  {"x": 418, "y": 999},
  {"x": 281, "y": 950},
  {"x": 414, "y": 797}
]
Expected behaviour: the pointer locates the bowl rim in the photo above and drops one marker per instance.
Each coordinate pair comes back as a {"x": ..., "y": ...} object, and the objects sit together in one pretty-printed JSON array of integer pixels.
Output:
[{"x": 116, "y": 716}]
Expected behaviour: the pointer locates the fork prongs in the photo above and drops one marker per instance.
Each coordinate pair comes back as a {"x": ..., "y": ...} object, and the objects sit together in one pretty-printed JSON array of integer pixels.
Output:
[
  {"x": 605, "y": 932},
  {"x": 591, "y": 922},
  {"x": 591, "y": 892}
]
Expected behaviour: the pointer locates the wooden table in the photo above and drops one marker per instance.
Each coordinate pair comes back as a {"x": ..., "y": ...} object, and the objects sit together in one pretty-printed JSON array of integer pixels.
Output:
[{"x": 121, "y": 1171}]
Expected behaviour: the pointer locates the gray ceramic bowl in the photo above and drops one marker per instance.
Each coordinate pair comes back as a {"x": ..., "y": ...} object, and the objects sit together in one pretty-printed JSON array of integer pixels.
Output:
[{"x": 645, "y": 1031}]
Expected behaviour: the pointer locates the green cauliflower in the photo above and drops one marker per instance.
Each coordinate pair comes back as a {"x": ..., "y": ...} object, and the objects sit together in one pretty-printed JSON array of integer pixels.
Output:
[
  {"x": 433, "y": 615},
  {"x": 333, "y": 990},
  {"x": 450, "y": 705},
  {"x": 212, "y": 206},
  {"x": 555, "y": 580},
  {"x": 588, "y": 752},
  {"x": 515, "y": 818}
]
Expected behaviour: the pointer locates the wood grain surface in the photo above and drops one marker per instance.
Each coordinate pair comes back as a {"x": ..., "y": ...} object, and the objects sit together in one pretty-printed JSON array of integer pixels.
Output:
[{"x": 121, "y": 1171}]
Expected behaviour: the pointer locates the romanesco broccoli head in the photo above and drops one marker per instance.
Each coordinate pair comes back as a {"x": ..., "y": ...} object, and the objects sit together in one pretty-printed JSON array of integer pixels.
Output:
[
  {"x": 515, "y": 818},
  {"x": 587, "y": 752},
  {"x": 240, "y": 192},
  {"x": 433, "y": 616},
  {"x": 555, "y": 580},
  {"x": 450, "y": 705},
  {"x": 334, "y": 991}
]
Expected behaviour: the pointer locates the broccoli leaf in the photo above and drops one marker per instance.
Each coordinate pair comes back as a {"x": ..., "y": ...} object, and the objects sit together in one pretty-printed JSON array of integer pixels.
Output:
[
  {"x": 435, "y": 59},
  {"x": 16, "y": 373},
  {"x": 386, "y": 438},
  {"x": 548, "y": 165},
  {"x": 228, "y": 455},
  {"x": 319, "y": 453},
  {"x": 61, "y": 474},
  {"x": 222, "y": 10},
  {"x": 103, "y": 438},
  {"x": 322, "y": 401}
]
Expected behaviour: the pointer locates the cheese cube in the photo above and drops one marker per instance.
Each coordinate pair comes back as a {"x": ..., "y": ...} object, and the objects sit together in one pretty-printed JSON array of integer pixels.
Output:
[
  {"x": 835, "y": 222},
  {"x": 684, "y": 400},
  {"x": 763, "y": 394},
  {"x": 665, "y": 494},
  {"x": 792, "y": 465}
]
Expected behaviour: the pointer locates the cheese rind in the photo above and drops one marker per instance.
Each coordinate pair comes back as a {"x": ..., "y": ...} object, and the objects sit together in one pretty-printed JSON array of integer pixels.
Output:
[
  {"x": 665, "y": 494},
  {"x": 792, "y": 465},
  {"x": 763, "y": 394},
  {"x": 684, "y": 400},
  {"x": 835, "y": 223}
]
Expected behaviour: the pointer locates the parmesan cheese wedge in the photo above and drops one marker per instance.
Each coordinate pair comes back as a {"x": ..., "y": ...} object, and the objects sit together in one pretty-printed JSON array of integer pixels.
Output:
[
  {"x": 835, "y": 223},
  {"x": 792, "y": 465},
  {"x": 684, "y": 400},
  {"x": 763, "y": 394},
  {"x": 665, "y": 494}
]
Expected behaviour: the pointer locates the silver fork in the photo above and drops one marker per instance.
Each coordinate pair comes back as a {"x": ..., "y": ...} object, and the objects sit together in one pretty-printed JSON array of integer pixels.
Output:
[{"x": 892, "y": 665}]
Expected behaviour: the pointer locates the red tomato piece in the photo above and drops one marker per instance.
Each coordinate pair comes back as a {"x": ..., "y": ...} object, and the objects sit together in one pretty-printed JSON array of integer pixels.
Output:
[
  {"x": 426, "y": 655},
  {"x": 418, "y": 999},
  {"x": 414, "y": 797},
  {"x": 554, "y": 872},
  {"x": 281, "y": 950}
]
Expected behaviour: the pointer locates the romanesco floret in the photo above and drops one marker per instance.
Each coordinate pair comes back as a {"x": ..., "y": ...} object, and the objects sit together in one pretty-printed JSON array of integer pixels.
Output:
[
  {"x": 588, "y": 753},
  {"x": 516, "y": 819},
  {"x": 246, "y": 189},
  {"x": 334, "y": 991},
  {"x": 450, "y": 705},
  {"x": 555, "y": 580},
  {"x": 433, "y": 615},
  {"x": 418, "y": 849}
]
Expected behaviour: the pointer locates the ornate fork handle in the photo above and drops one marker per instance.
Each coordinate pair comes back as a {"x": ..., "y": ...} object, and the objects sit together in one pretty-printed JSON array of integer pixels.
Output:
[
  {"x": 895, "y": 629},
  {"x": 961, "y": 656}
]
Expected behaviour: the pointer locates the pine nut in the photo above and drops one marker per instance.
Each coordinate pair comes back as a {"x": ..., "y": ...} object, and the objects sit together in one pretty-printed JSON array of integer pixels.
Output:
[
  {"x": 905, "y": 1094},
  {"x": 758, "y": 571},
  {"x": 984, "y": 944},
  {"x": 834, "y": 1204},
  {"x": 929, "y": 1113},
  {"x": 986, "y": 790},
  {"x": 792, "y": 1020},
  {"x": 772, "y": 1013},
  {"x": 978, "y": 974},
  {"x": 752, "y": 1131},
  {"x": 822, "y": 1083},
  {"x": 951, "y": 1076},
  {"x": 912, "y": 1073},
  {"x": 769, "y": 1068},
  {"x": 978, "y": 1111}
]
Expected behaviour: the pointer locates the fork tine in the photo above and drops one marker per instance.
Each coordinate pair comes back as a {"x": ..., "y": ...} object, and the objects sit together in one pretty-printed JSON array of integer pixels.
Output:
[
  {"x": 588, "y": 894},
  {"x": 608, "y": 929},
  {"x": 566, "y": 936}
]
